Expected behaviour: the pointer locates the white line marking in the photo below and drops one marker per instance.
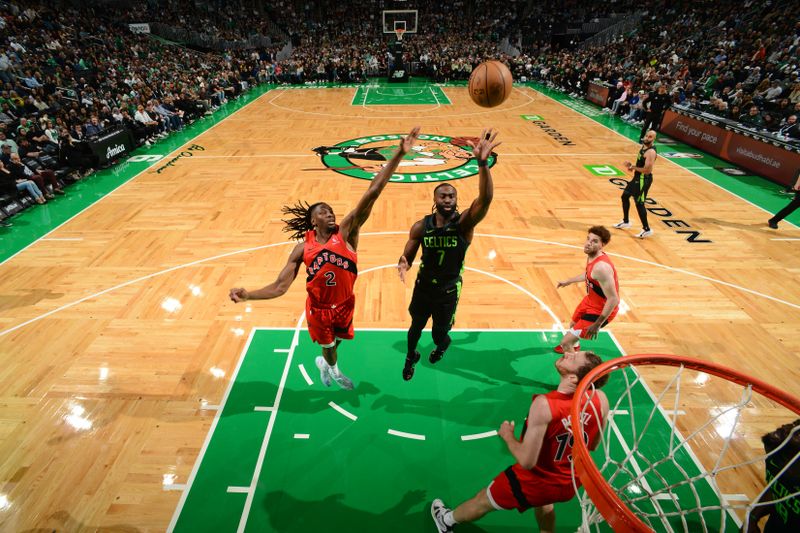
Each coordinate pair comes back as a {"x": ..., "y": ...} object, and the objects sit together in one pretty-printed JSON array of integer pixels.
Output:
[
  {"x": 646, "y": 262},
  {"x": 666, "y": 158},
  {"x": 305, "y": 374},
  {"x": 281, "y": 350},
  {"x": 301, "y": 435},
  {"x": 263, "y": 451},
  {"x": 238, "y": 490},
  {"x": 674, "y": 413},
  {"x": 477, "y": 436},
  {"x": 521, "y": 289},
  {"x": 264, "y": 409},
  {"x": 437, "y": 117},
  {"x": 343, "y": 411},
  {"x": 737, "y": 497},
  {"x": 785, "y": 239},
  {"x": 202, "y": 453},
  {"x": 405, "y": 435},
  {"x": 621, "y": 412},
  {"x": 64, "y": 239},
  {"x": 131, "y": 282},
  {"x": 382, "y": 233},
  {"x": 662, "y": 496},
  {"x": 148, "y": 167},
  {"x": 209, "y": 407},
  {"x": 174, "y": 486}
]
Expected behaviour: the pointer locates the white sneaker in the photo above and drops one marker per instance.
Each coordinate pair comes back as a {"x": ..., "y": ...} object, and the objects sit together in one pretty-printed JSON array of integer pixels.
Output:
[
  {"x": 324, "y": 371},
  {"x": 645, "y": 233},
  {"x": 340, "y": 379},
  {"x": 622, "y": 225},
  {"x": 438, "y": 510}
]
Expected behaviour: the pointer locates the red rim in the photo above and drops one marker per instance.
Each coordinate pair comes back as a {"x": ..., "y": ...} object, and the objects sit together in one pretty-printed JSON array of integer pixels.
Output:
[{"x": 616, "y": 513}]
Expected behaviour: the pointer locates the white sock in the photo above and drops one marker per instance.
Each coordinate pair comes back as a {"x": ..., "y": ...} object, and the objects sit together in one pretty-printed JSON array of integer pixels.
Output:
[
  {"x": 335, "y": 369},
  {"x": 449, "y": 520}
]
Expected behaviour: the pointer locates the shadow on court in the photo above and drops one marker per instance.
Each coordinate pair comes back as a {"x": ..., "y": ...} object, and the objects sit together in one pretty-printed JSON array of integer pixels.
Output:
[{"x": 410, "y": 514}]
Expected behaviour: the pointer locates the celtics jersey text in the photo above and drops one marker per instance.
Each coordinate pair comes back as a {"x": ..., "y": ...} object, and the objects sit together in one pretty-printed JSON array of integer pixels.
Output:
[{"x": 443, "y": 251}]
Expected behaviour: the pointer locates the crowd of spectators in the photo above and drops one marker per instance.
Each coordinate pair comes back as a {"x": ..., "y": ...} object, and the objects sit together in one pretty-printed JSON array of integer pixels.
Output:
[
  {"x": 67, "y": 75},
  {"x": 737, "y": 60}
]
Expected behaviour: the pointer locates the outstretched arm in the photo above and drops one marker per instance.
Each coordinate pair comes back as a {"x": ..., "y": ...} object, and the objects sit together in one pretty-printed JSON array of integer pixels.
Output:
[
  {"x": 480, "y": 206},
  {"x": 410, "y": 251},
  {"x": 570, "y": 281},
  {"x": 356, "y": 218},
  {"x": 277, "y": 287}
]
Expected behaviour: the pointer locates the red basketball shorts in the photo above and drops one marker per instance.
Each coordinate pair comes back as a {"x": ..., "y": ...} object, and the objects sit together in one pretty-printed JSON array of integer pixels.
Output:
[
  {"x": 326, "y": 324},
  {"x": 521, "y": 489},
  {"x": 585, "y": 315}
]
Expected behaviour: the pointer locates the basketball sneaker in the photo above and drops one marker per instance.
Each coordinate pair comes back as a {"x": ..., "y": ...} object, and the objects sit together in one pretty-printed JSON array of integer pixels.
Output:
[
  {"x": 436, "y": 355},
  {"x": 341, "y": 380},
  {"x": 645, "y": 233},
  {"x": 408, "y": 368},
  {"x": 559, "y": 349},
  {"x": 324, "y": 370},
  {"x": 438, "y": 510},
  {"x": 622, "y": 225}
]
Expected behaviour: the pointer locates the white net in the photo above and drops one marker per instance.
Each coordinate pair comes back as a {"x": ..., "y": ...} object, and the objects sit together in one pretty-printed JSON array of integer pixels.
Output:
[{"x": 712, "y": 479}]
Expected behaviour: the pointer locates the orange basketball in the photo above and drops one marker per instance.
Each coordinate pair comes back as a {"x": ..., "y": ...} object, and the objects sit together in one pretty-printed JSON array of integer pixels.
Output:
[{"x": 490, "y": 84}]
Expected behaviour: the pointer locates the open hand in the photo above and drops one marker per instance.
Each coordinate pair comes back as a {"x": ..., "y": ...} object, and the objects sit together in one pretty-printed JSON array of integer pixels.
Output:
[
  {"x": 485, "y": 145},
  {"x": 408, "y": 141}
]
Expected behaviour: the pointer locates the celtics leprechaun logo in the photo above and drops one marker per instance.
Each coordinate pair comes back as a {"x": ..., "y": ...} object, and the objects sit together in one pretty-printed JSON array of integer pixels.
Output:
[{"x": 433, "y": 158}]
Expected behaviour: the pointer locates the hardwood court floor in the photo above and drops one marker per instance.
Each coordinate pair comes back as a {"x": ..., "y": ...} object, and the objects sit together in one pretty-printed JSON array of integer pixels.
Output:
[{"x": 105, "y": 404}]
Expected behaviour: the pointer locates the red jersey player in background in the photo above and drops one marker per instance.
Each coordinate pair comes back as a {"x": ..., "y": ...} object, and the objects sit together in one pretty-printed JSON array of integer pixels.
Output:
[
  {"x": 599, "y": 306},
  {"x": 329, "y": 254},
  {"x": 542, "y": 474}
]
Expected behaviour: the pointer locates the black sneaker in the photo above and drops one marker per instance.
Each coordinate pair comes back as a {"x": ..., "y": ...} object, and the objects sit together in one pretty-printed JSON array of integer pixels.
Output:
[
  {"x": 5, "y": 224},
  {"x": 772, "y": 224},
  {"x": 408, "y": 369},
  {"x": 436, "y": 355}
]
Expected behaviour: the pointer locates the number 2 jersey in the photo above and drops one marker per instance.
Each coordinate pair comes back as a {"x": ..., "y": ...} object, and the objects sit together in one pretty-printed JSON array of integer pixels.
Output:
[{"x": 330, "y": 268}]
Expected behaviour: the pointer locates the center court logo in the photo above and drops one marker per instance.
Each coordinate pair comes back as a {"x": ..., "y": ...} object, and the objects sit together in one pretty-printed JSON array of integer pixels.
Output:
[{"x": 434, "y": 158}]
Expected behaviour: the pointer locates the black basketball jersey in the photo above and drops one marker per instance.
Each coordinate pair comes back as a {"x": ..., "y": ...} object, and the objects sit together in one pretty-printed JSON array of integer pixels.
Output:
[
  {"x": 443, "y": 252},
  {"x": 640, "y": 162}
]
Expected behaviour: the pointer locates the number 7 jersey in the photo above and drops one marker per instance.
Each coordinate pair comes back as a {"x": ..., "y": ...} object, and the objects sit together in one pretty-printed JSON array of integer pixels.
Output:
[{"x": 330, "y": 268}]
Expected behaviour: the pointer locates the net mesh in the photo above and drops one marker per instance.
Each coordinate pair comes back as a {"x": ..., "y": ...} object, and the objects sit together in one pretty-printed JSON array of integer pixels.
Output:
[
  {"x": 399, "y": 33},
  {"x": 651, "y": 467}
]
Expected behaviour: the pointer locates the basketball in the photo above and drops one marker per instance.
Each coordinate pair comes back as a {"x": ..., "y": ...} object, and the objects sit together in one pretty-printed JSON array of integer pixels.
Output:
[{"x": 490, "y": 84}]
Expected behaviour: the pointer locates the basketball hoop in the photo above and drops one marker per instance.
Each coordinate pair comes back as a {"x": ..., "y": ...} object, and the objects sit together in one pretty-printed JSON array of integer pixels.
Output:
[
  {"x": 637, "y": 479},
  {"x": 399, "y": 32}
]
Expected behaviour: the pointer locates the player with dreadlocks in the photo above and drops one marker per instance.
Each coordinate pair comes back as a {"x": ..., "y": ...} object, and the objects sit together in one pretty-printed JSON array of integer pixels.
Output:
[
  {"x": 328, "y": 251},
  {"x": 444, "y": 236}
]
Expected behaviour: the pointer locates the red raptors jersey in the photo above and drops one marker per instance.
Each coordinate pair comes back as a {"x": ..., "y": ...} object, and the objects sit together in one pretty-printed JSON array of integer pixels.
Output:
[
  {"x": 331, "y": 269},
  {"x": 595, "y": 298},
  {"x": 555, "y": 456}
]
